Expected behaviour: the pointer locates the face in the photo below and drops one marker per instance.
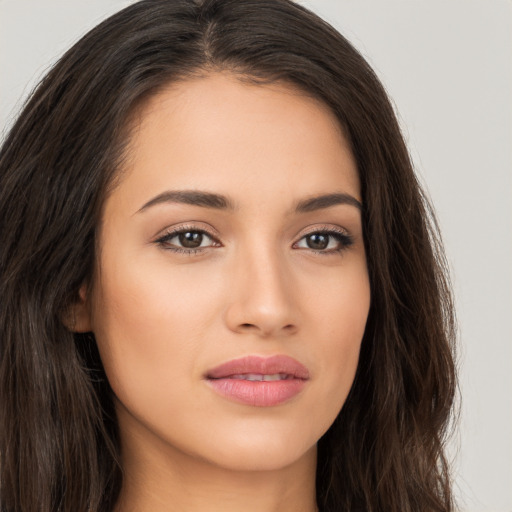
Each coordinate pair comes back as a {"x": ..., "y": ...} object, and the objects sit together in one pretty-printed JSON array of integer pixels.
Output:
[{"x": 232, "y": 292}]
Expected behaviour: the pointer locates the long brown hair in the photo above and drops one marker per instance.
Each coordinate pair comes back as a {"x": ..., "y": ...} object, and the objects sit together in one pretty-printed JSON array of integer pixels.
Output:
[{"x": 59, "y": 447}]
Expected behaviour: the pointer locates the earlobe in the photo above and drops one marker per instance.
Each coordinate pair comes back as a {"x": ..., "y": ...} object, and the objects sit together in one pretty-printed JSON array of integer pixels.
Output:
[{"x": 77, "y": 318}]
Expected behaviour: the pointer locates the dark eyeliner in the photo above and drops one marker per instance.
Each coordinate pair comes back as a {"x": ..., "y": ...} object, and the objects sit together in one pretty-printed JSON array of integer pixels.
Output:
[
  {"x": 161, "y": 241},
  {"x": 345, "y": 240}
]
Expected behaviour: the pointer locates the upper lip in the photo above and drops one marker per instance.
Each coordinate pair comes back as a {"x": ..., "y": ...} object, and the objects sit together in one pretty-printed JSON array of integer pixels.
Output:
[{"x": 260, "y": 365}]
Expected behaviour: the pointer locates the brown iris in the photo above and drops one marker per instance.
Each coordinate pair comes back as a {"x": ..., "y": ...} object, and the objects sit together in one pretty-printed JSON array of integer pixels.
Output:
[
  {"x": 190, "y": 239},
  {"x": 318, "y": 241}
]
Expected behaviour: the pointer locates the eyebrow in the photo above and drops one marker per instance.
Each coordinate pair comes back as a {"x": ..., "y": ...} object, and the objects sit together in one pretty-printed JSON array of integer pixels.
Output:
[
  {"x": 326, "y": 201},
  {"x": 192, "y": 197},
  {"x": 220, "y": 202}
]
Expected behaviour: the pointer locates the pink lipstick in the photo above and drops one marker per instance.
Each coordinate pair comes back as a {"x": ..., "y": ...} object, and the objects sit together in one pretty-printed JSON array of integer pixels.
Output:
[{"x": 259, "y": 381}]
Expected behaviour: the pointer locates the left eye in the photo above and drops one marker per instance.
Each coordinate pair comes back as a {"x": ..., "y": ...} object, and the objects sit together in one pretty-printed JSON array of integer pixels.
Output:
[
  {"x": 187, "y": 239},
  {"x": 325, "y": 241}
]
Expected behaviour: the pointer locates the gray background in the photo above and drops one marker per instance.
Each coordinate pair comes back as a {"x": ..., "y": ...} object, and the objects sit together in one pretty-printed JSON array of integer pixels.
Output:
[{"x": 447, "y": 64}]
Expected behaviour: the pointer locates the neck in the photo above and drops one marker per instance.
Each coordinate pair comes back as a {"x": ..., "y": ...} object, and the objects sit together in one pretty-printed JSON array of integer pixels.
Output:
[{"x": 158, "y": 477}]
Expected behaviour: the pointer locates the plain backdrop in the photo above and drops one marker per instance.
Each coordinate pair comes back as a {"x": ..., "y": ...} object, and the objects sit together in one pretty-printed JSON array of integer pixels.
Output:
[{"x": 447, "y": 65}]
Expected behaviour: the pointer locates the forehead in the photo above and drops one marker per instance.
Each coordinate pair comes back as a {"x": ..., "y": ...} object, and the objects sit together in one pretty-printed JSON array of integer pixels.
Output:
[{"x": 220, "y": 134}]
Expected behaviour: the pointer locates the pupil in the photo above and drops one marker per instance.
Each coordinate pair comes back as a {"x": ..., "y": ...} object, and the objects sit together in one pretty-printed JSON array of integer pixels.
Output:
[
  {"x": 190, "y": 239},
  {"x": 318, "y": 241}
]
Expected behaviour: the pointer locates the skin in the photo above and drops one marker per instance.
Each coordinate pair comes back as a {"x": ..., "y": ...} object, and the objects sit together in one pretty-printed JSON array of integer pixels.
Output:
[{"x": 163, "y": 318}]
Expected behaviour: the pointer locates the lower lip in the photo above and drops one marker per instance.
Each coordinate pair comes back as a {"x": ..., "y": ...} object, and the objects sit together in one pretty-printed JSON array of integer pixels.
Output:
[{"x": 258, "y": 393}]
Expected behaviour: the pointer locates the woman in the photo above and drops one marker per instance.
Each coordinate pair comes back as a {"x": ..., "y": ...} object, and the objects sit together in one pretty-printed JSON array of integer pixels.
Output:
[{"x": 222, "y": 288}]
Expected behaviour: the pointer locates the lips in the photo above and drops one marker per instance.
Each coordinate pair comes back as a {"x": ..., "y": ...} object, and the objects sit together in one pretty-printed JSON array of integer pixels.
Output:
[
  {"x": 259, "y": 381},
  {"x": 256, "y": 365}
]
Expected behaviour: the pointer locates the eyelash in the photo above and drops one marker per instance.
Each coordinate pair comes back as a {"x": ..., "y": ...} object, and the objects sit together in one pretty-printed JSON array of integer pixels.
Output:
[
  {"x": 163, "y": 240},
  {"x": 342, "y": 237}
]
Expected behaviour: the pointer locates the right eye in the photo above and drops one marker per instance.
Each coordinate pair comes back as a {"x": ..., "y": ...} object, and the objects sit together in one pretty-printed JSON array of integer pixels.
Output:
[{"x": 187, "y": 240}]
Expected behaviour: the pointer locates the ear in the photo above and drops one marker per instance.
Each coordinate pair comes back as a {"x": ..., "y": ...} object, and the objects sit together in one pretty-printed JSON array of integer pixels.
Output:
[{"x": 77, "y": 318}]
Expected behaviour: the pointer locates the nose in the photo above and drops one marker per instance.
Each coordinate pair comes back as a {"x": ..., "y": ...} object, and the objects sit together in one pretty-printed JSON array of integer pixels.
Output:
[{"x": 261, "y": 296}]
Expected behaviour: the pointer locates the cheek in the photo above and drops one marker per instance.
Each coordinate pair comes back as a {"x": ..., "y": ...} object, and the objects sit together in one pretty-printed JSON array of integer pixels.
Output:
[
  {"x": 148, "y": 325},
  {"x": 340, "y": 312}
]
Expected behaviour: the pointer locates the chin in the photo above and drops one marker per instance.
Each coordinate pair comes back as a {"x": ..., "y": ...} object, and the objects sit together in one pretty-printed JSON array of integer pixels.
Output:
[
  {"x": 255, "y": 458},
  {"x": 259, "y": 449}
]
